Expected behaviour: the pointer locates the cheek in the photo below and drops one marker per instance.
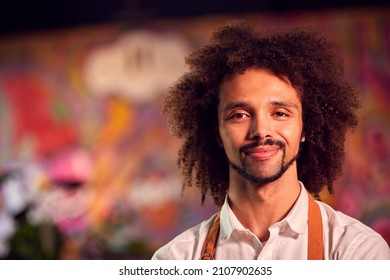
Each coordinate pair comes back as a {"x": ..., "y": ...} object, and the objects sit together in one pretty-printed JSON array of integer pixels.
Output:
[
  {"x": 229, "y": 139},
  {"x": 292, "y": 134}
]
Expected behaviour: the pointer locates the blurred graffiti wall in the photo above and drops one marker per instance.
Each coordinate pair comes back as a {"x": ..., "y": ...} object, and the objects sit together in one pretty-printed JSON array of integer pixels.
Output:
[{"x": 87, "y": 162}]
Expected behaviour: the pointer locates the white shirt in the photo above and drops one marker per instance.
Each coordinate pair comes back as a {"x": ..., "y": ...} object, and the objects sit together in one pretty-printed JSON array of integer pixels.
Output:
[{"x": 344, "y": 238}]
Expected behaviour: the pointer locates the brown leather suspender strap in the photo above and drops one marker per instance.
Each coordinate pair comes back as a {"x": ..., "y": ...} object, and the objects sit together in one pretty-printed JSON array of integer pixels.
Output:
[
  {"x": 315, "y": 243},
  {"x": 210, "y": 243},
  {"x": 315, "y": 246}
]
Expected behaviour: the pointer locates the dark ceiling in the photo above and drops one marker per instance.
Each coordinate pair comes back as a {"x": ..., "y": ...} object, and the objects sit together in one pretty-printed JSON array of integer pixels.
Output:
[{"x": 18, "y": 16}]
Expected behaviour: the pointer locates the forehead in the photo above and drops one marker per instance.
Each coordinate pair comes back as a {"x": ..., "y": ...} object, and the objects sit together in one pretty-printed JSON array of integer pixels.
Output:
[{"x": 257, "y": 85}]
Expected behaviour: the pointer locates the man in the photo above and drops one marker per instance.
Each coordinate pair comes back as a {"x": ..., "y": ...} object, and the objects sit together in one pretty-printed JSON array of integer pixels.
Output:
[{"x": 263, "y": 122}]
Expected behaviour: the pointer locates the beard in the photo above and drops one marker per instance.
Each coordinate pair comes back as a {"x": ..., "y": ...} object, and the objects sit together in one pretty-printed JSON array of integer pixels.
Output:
[{"x": 257, "y": 177}]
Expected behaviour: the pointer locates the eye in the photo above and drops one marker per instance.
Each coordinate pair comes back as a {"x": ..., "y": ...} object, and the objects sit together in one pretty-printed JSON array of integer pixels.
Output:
[
  {"x": 281, "y": 114},
  {"x": 238, "y": 116}
]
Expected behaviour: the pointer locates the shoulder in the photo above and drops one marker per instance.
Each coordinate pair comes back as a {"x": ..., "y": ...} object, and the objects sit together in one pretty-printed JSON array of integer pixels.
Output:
[
  {"x": 185, "y": 246},
  {"x": 349, "y": 238}
]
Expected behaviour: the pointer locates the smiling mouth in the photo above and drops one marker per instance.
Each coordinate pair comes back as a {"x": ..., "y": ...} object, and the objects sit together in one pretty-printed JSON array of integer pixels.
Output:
[{"x": 262, "y": 152}]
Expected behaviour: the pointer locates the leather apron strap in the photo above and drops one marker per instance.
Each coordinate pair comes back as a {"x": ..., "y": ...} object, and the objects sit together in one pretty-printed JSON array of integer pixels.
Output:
[
  {"x": 210, "y": 243},
  {"x": 315, "y": 242},
  {"x": 315, "y": 246}
]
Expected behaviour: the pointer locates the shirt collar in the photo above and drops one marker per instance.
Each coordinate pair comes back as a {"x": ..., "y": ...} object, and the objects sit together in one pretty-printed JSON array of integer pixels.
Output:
[
  {"x": 229, "y": 222},
  {"x": 296, "y": 219}
]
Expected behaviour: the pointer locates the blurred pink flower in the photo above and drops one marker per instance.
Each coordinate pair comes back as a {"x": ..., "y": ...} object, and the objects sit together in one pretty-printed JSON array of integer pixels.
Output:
[{"x": 71, "y": 166}]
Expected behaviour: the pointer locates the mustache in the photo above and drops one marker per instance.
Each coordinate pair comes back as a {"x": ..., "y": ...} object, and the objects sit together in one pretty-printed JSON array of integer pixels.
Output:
[{"x": 266, "y": 142}]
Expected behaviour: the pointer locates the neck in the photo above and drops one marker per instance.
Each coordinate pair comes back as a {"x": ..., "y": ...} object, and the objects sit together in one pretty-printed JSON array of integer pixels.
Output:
[{"x": 258, "y": 207}]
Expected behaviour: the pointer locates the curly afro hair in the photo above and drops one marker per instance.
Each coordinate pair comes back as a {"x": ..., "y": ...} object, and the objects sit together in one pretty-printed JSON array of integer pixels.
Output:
[{"x": 314, "y": 69}]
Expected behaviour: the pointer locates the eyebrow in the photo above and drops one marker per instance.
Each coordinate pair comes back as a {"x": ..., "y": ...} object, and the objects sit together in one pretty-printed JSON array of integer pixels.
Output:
[
  {"x": 284, "y": 104},
  {"x": 235, "y": 105}
]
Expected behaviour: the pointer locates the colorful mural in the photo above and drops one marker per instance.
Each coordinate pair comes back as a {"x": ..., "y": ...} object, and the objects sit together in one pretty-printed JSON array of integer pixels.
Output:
[{"x": 87, "y": 163}]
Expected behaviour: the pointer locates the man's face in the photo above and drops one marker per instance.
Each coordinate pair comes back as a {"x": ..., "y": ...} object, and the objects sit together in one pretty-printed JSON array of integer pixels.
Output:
[{"x": 259, "y": 125}]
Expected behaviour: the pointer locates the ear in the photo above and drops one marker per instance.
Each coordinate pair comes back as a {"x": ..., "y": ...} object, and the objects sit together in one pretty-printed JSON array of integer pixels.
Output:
[{"x": 303, "y": 138}]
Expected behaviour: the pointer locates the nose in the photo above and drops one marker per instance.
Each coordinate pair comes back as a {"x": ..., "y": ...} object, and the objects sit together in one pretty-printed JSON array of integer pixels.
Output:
[{"x": 261, "y": 128}]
